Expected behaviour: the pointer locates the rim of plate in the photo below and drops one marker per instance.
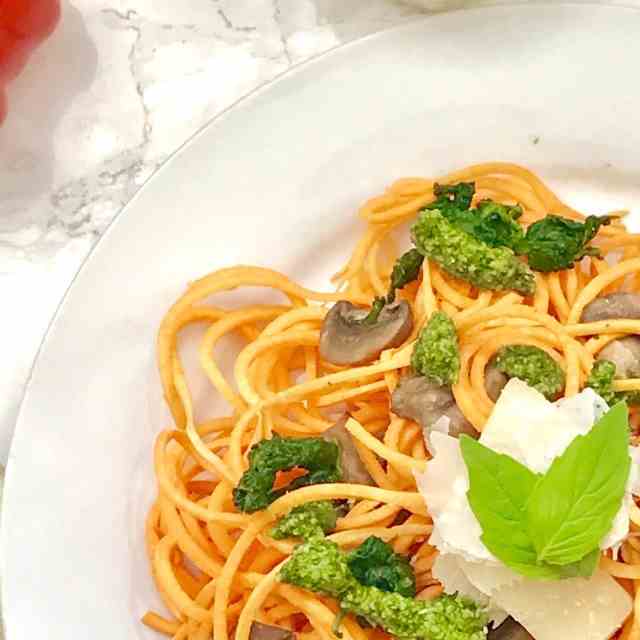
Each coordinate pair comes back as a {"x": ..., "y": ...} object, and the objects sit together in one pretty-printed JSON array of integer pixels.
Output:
[{"x": 294, "y": 69}]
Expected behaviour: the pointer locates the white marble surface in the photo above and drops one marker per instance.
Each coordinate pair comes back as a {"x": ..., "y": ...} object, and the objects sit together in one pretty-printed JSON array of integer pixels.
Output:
[{"x": 118, "y": 87}]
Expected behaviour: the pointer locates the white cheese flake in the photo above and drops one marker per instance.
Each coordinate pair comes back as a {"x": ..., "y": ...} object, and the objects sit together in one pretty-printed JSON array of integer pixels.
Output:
[
  {"x": 581, "y": 609},
  {"x": 448, "y": 570},
  {"x": 534, "y": 431},
  {"x": 444, "y": 485}
]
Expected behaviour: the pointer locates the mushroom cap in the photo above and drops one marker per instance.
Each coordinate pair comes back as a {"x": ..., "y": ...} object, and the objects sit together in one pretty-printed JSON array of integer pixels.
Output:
[
  {"x": 424, "y": 402},
  {"x": 625, "y": 354},
  {"x": 261, "y": 631},
  {"x": 345, "y": 340},
  {"x": 615, "y": 306},
  {"x": 353, "y": 469},
  {"x": 509, "y": 630},
  {"x": 494, "y": 381}
]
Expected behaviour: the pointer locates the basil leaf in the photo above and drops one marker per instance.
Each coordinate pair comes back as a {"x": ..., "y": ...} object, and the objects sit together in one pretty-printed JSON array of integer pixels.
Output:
[
  {"x": 499, "y": 489},
  {"x": 571, "y": 509},
  {"x": 584, "y": 568}
]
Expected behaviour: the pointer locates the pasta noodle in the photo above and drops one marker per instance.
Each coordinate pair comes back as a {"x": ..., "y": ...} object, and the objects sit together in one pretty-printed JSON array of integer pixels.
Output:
[{"x": 215, "y": 568}]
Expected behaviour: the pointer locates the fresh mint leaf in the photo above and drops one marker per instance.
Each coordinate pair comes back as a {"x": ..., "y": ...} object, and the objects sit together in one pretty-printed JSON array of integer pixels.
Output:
[{"x": 571, "y": 509}]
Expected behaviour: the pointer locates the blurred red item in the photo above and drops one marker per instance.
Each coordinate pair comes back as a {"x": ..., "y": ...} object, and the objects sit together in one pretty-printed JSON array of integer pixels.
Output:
[{"x": 24, "y": 24}]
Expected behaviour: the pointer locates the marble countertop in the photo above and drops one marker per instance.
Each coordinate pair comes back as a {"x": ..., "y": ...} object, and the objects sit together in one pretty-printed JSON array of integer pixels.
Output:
[{"x": 118, "y": 87}]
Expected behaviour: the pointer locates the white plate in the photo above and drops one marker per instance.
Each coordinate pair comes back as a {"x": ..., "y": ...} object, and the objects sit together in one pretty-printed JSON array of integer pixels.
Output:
[{"x": 276, "y": 181}]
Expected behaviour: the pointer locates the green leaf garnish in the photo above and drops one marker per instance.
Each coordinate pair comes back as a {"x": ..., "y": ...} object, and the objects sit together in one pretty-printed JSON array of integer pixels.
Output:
[
  {"x": 555, "y": 243},
  {"x": 493, "y": 223},
  {"x": 452, "y": 197},
  {"x": 375, "y": 564},
  {"x": 550, "y": 526},
  {"x": 573, "y": 506},
  {"x": 583, "y": 568},
  {"x": 499, "y": 488},
  {"x": 405, "y": 270}
]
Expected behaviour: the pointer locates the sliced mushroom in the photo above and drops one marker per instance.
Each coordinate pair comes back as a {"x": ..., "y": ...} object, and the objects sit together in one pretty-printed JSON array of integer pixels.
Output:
[
  {"x": 615, "y": 306},
  {"x": 494, "y": 381},
  {"x": 346, "y": 340},
  {"x": 261, "y": 631},
  {"x": 509, "y": 630},
  {"x": 424, "y": 402},
  {"x": 625, "y": 354},
  {"x": 353, "y": 469}
]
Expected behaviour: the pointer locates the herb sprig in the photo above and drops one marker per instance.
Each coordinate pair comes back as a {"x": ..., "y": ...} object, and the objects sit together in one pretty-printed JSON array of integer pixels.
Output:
[{"x": 550, "y": 526}]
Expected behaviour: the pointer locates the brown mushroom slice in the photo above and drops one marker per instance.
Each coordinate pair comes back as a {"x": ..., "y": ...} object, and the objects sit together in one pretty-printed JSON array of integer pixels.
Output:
[
  {"x": 353, "y": 469},
  {"x": 494, "y": 381},
  {"x": 509, "y": 630},
  {"x": 625, "y": 354},
  {"x": 346, "y": 340},
  {"x": 424, "y": 402},
  {"x": 261, "y": 631},
  {"x": 615, "y": 306}
]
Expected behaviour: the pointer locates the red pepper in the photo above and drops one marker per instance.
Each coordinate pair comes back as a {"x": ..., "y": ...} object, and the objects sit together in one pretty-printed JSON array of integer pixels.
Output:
[{"x": 24, "y": 24}]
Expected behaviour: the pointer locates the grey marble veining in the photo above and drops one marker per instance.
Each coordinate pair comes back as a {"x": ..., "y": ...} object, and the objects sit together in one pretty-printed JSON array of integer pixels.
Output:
[{"x": 118, "y": 87}]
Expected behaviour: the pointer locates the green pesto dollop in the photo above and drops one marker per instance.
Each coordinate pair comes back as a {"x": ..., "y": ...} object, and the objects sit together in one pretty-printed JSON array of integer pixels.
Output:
[
  {"x": 601, "y": 379},
  {"x": 533, "y": 365},
  {"x": 463, "y": 256},
  {"x": 319, "y": 565},
  {"x": 436, "y": 354},
  {"x": 445, "y": 618},
  {"x": 307, "y": 521},
  {"x": 375, "y": 564}
]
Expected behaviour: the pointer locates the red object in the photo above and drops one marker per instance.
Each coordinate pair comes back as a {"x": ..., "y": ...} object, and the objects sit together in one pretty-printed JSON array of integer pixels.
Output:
[{"x": 24, "y": 24}]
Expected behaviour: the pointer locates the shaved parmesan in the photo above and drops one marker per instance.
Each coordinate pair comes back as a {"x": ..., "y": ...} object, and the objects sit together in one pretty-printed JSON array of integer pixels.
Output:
[
  {"x": 444, "y": 485},
  {"x": 590, "y": 609},
  {"x": 448, "y": 570},
  {"x": 587, "y": 609},
  {"x": 488, "y": 578},
  {"x": 441, "y": 425},
  {"x": 534, "y": 431}
]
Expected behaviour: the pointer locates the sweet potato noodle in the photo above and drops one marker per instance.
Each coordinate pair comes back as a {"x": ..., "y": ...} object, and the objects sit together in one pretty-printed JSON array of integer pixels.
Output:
[{"x": 216, "y": 568}]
